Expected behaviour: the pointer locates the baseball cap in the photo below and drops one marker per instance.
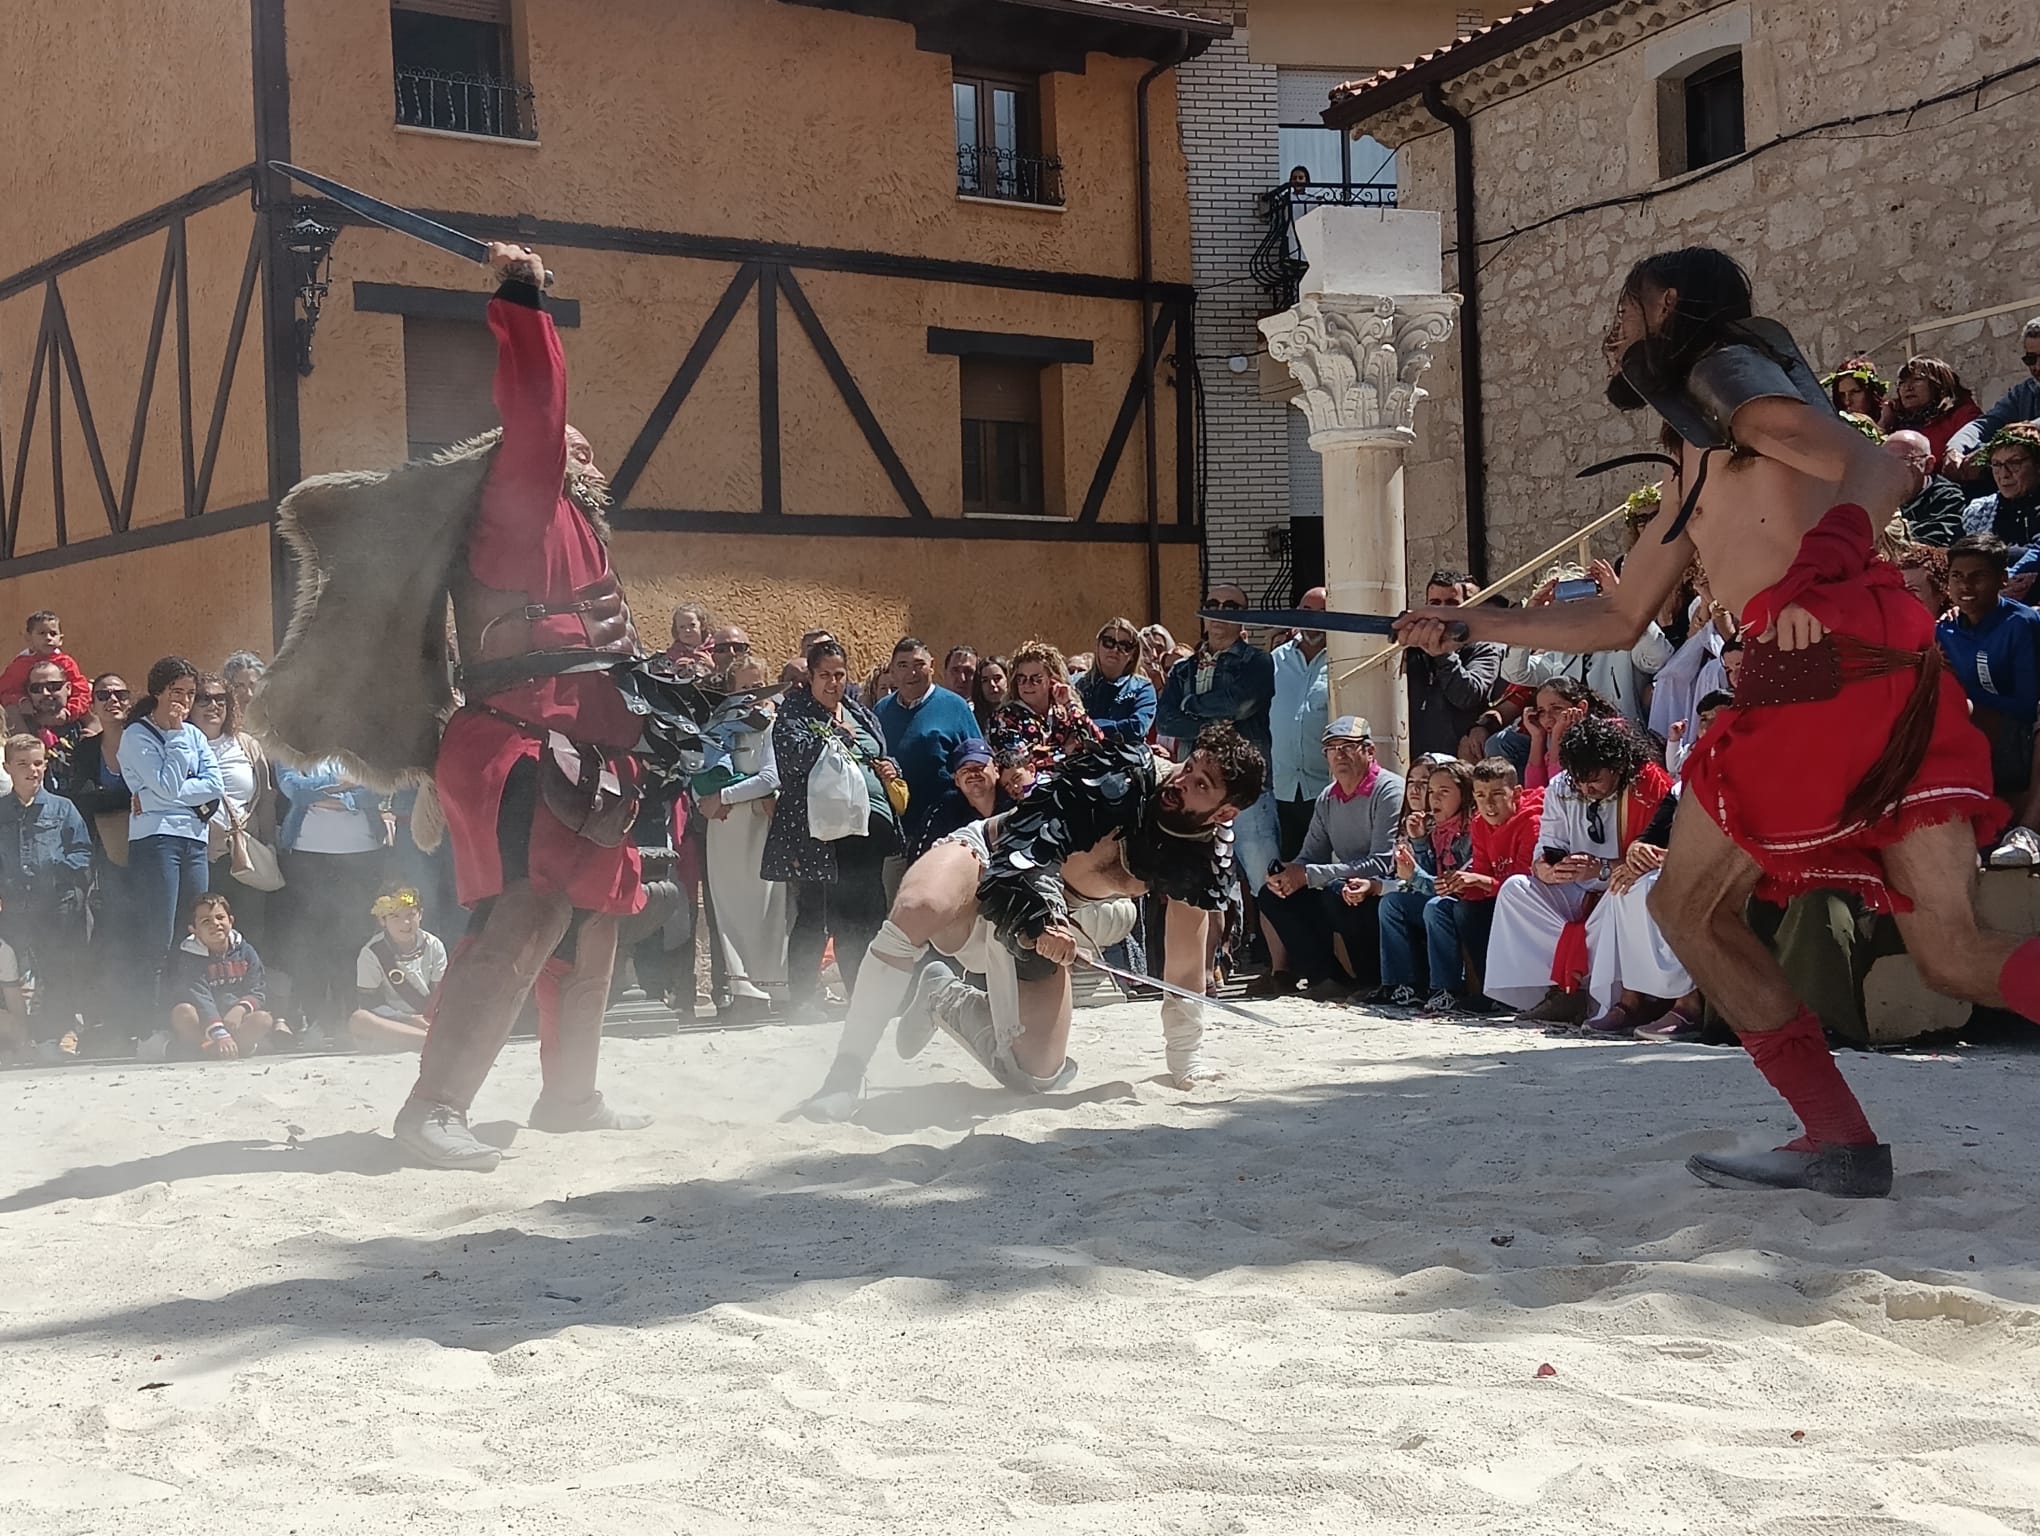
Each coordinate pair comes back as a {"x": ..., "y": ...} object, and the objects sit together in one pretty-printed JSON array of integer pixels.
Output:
[
  {"x": 1349, "y": 728},
  {"x": 972, "y": 749}
]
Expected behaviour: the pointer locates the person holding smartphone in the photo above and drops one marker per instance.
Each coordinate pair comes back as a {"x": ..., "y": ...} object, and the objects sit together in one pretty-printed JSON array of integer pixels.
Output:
[
  {"x": 1619, "y": 676},
  {"x": 1538, "y": 954}
]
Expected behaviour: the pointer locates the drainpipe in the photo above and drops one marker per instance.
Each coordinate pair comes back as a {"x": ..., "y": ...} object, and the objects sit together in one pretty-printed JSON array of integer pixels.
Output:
[
  {"x": 1475, "y": 412},
  {"x": 1148, "y": 361}
]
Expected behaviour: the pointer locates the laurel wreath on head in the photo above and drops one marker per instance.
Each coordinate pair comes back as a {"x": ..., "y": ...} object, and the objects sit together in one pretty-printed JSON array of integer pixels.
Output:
[
  {"x": 1864, "y": 425},
  {"x": 2018, "y": 434},
  {"x": 1867, "y": 377}
]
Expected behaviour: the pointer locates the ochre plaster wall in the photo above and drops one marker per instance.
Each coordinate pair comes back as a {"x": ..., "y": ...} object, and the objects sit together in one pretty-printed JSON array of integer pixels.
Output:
[
  {"x": 203, "y": 598},
  {"x": 109, "y": 107},
  {"x": 872, "y": 591},
  {"x": 732, "y": 117}
]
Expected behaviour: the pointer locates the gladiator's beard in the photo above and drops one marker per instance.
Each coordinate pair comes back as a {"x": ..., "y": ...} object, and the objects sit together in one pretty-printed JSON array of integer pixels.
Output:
[
  {"x": 1172, "y": 816},
  {"x": 589, "y": 492}
]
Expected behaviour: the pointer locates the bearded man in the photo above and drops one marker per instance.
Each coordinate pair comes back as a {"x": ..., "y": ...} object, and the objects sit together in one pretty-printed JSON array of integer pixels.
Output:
[
  {"x": 1847, "y": 759},
  {"x": 1017, "y": 896}
]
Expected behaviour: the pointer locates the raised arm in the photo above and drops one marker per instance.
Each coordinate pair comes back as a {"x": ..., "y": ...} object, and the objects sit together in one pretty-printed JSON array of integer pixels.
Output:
[{"x": 530, "y": 391}]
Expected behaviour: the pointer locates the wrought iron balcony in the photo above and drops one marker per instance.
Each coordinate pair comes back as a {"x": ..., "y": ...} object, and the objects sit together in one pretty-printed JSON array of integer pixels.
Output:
[
  {"x": 1277, "y": 263},
  {"x": 434, "y": 98},
  {"x": 1008, "y": 176}
]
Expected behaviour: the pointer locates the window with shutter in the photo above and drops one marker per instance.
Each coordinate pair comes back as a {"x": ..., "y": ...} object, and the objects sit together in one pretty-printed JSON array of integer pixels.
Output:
[
  {"x": 454, "y": 68},
  {"x": 449, "y": 370},
  {"x": 1002, "y": 452}
]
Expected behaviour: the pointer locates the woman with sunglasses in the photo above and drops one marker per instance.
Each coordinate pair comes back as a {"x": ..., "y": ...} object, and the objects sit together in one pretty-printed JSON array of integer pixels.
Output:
[
  {"x": 1114, "y": 690},
  {"x": 1044, "y": 718},
  {"x": 249, "y": 802}
]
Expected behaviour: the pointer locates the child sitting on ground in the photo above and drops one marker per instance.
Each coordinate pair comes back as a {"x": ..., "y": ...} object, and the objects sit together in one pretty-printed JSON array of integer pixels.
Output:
[
  {"x": 397, "y": 976},
  {"x": 46, "y": 643},
  {"x": 220, "y": 1008}
]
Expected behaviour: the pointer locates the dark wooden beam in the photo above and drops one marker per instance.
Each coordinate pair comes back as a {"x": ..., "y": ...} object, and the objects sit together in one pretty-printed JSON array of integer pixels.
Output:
[
  {"x": 906, "y": 529},
  {"x": 1122, "y": 428},
  {"x": 1188, "y": 513},
  {"x": 149, "y": 536},
  {"x": 274, "y": 200},
  {"x": 447, "y": 304},
  {"x": 88, "y": 429},
  {"x": 29, "y": 404},
  {"x": 705, "y": 342},
  {"x": 860, "y": 408},
  {"x": 229, "y": 364},
  {"x": 943, "y": 342},
  {"x": 166, "y": 284},
  {"x": 768, "y": 392},
  {"x": 218, "y": 190},
  {"x": 550, "y": 233}
]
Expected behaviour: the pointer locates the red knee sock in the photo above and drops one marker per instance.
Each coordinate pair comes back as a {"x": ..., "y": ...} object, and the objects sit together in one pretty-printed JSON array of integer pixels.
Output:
[
  {"x": 1796, "y": 1061},
  {"x": 2019, "y": 982}
]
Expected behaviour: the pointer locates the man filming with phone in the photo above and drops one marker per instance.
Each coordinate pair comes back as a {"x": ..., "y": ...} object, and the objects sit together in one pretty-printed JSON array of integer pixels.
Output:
[{"x": 1617, "y": 676}]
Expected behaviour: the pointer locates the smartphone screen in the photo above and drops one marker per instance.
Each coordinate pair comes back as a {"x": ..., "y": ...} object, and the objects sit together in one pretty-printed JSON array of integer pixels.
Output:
[{"x": 1572, "y": 591}]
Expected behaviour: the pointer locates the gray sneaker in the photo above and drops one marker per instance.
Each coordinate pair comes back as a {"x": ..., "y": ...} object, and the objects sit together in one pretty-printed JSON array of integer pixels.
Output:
[
  {"x": 916, "y": 1026},
  {"x": 595, "y": 1114},
  {"x": 2019, "y": 849},
  {"x": 1020, "y": 1080},
  {"x": 837, "y": 1099},
  {"x": 438, "y": 1136}
]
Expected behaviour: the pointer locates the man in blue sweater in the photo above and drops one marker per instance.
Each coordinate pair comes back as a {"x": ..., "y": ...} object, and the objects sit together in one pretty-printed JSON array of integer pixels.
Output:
[
  {"x": 923, "y": 725},
  {"x": 1993, "y": 648}
]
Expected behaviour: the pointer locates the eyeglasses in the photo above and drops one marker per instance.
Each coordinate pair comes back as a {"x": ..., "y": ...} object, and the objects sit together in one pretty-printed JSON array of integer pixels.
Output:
[
  {"x": 211, "y": 698},
  {"x": 57, "y": 687},
  {"x": 1227, "y": 603},
  {"x": 1115, "y": 643},
  {"x": 1347, "y": 744},
  {"x": 741, "y": 647},
  {"x": 110, "y": 695},
  {"x": 2032, "y": 359},
  {"x": 2008, "y": 465}
]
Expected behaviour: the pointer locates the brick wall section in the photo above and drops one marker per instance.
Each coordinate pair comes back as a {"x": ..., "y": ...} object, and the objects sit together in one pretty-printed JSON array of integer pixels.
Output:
[
  {"x": 1848, "y": 239},
  {"x": 1227, "y": 110}
]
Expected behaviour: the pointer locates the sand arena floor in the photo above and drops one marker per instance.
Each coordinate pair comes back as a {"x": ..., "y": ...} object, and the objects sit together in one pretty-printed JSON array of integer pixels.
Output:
[{"x": 1318, "y": 1296}]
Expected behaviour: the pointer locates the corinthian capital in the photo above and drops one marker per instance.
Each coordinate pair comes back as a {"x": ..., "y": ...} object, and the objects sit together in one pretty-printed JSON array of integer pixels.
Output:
[{"x": 1358, "y": 359}]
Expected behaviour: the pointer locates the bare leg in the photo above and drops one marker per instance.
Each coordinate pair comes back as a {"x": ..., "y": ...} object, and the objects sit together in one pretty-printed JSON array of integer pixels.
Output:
[
  {"x": 372, "y": 1032},
  {"x": 1044, "y": 1038},
  {"x": 186, "y": 1026},
  {"x": 254, "y": 1029},
  {"x": 1698, "y": 902},
  {"x": 937, "y": 902},
  {"x": 1935, "y": 867}
]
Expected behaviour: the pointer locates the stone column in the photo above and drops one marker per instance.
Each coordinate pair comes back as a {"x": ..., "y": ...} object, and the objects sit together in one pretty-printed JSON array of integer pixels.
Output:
[{"x": 1357, "y": 341}]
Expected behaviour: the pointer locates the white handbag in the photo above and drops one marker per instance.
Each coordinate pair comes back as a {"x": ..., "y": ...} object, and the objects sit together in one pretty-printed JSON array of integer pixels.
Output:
[{"x": 839, "y": 805}]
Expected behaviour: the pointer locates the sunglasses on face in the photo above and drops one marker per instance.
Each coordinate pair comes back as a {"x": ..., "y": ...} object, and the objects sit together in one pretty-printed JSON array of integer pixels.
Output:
[
  {"x": 1115, "y": 643},
  {"x": 1225, "y": 603},
  {"x": 110, "y": 695},
  {"x": 211, "y": 698},
  {"x": 2032, "y": 359},
  {"x": 57, "y": 687}
]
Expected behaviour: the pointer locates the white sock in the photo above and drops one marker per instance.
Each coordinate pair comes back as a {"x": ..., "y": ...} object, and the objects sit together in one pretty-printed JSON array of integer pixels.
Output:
[{"x": 881, "y": 991}]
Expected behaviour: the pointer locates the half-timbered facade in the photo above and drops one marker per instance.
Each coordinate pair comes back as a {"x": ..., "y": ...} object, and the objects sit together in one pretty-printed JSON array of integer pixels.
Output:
[{"x": 878, "y": 312}]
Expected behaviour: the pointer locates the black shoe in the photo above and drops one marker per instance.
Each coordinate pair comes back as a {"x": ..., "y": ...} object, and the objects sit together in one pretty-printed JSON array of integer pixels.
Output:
[
  {"x": 1328, "y": 989},
  {"x": 1274, "y": 984},
  {"x": 1848, "y": 1173}
]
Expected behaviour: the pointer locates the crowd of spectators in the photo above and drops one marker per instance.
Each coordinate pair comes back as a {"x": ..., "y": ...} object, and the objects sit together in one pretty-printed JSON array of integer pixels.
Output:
[{"x": 171, "y": 890}]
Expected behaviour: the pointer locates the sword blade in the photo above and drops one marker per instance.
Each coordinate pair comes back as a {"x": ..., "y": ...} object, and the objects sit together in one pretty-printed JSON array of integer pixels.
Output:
[
  {"x": 1315, "y": 618},
  {"x": 1174, "y": 991},
  {"x": 389, "y": 215}
]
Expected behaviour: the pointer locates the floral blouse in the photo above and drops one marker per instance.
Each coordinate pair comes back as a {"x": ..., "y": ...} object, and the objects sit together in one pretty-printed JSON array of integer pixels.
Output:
[{"x": 1047, "y": 739}]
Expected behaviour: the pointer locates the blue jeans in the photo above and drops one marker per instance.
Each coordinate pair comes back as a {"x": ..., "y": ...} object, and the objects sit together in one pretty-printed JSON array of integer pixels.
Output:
[
  {"x": 1403, "y": 915},
  {"x": 165, "y": 875}
]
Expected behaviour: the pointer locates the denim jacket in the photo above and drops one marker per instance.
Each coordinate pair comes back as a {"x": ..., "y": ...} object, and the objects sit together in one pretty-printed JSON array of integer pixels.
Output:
[
  {"x": 1123, "y": 708},
  {"x": 1241, "y": 689},
  {"x": 45, "y": 855},
  {"x": 302, "y": 789}
]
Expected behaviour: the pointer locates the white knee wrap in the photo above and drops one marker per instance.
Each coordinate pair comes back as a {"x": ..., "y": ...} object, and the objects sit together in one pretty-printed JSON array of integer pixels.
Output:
[
  {"x": 1105, "y": 923},
  {"x": 892, "y": 947}
]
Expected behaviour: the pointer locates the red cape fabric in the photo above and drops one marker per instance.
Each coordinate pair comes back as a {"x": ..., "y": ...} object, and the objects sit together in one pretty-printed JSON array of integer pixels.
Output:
[{"x": 1774, "y": 777}]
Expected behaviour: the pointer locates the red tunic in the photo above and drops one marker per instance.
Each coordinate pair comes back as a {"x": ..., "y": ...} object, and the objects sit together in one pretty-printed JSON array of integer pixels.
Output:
[
  {"x": 1774, "y": 777},
  {"x": 529, "y": 538}
]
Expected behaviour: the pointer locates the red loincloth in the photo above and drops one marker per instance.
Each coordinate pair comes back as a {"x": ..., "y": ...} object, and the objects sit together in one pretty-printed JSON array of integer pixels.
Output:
[
  {"x": 1775, "y": 777},
  {"x": 528, "y": 537}
]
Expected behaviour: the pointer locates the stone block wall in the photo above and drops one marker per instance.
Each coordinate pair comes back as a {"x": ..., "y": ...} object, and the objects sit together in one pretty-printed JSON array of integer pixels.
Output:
[{"x": 1851, "y": 236}]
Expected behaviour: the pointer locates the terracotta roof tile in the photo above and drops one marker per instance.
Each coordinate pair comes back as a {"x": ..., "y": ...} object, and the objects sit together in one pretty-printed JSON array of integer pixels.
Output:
[
  {"x": 1134, "y": 12},
  {"x": 1512, "y": 31}
]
